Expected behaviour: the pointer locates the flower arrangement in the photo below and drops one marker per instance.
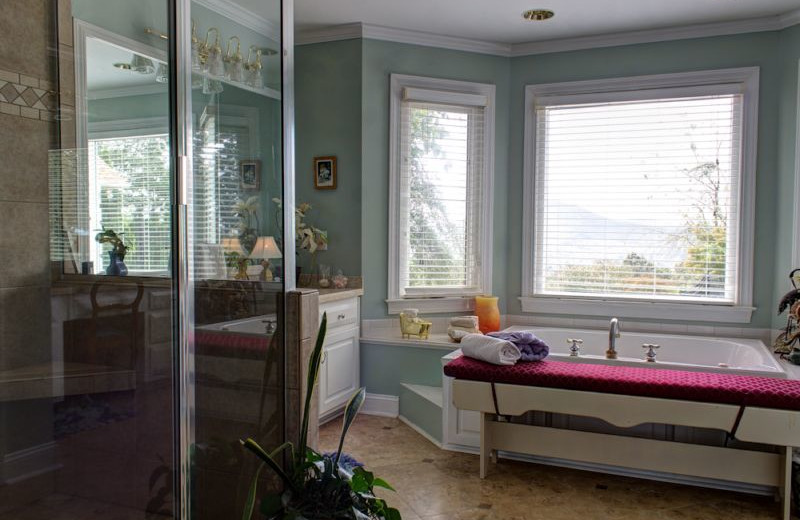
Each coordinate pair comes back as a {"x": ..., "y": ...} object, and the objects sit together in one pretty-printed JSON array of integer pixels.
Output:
[
  {"x": 118, "y": 245},
  {"x": 328, "y": 486},
  {"x": 307, "y": 237}
]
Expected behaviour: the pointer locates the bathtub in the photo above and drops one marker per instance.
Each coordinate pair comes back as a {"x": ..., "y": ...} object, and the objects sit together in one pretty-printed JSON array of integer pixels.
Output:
[
  {"x": 257, "y": 325},
  {"x": 723, "y": 355}
]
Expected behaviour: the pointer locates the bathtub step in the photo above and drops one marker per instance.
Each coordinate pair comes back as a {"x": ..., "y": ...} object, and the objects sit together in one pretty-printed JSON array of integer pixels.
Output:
[{"x": 421, "y": 408}]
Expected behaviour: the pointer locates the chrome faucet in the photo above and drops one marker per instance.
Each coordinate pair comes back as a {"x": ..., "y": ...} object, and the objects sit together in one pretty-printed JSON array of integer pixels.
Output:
[{"x": 613, "y": 334}]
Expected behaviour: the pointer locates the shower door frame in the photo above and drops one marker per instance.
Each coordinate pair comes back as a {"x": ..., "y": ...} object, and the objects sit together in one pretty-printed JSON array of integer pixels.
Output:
[{"x": 181, "y": 128}]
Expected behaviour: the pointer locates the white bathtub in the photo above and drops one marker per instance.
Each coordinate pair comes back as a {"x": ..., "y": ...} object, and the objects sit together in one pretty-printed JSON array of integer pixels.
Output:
[
  {"x": 723, "y": 355},
  {"x": 257, "y": 325}
]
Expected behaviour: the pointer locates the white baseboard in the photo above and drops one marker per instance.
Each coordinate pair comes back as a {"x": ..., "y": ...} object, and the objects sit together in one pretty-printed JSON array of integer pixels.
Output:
[
  {"x": 381, "y": 405},
  {"x": 28, "y": 463},
  {"x": 420, "y": 431},
  {"x": 616, "y": 470}
]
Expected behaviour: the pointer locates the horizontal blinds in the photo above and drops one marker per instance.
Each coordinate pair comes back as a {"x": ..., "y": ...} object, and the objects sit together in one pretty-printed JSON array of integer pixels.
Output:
[
  {"x": 441, "y": 154},
  {"x": 129, "y": 192},
  {"x": 639, "y": 198}
]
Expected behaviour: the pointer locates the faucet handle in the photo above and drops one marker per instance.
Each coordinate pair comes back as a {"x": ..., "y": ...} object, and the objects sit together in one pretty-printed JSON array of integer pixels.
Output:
[
  {"x": 650, "y": 356},
  {"x": 575, "y": 348}
]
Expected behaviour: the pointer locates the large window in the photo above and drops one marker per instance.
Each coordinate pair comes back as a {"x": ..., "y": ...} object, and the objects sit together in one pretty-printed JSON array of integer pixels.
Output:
[
  {"x": 441, "y": 191},
  {"x": 129, "y": 192},
  {"x": 637, "y": 193}
]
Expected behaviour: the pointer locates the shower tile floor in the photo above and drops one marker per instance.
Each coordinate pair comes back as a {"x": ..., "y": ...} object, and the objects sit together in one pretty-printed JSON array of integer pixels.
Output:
[{"x": 434, "y": 484}]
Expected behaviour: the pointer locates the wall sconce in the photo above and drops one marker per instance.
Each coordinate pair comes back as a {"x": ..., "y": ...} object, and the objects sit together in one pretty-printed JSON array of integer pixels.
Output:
[
  {"x": 213, "y": 55},
  {"x": 142, "y": 65},
  {"x": 162, "y": 74},
  {"x": 254, "y": 68},
  {"x": 234, "y": 68}
]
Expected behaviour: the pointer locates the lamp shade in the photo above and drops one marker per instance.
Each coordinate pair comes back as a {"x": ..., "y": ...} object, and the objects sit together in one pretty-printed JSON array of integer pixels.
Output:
[
  {"x": 266, "y": 248},
  {"x": 232, "y": 245}
]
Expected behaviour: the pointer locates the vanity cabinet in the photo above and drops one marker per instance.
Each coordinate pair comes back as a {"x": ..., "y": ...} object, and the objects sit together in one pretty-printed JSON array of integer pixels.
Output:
[{"x": 339, "y": 374}]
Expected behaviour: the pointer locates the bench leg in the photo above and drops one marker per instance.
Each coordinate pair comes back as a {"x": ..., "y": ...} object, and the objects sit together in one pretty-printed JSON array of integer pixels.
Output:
[
  {"x": 785, "y": 490},
  {"x": 486, "y": 443}
]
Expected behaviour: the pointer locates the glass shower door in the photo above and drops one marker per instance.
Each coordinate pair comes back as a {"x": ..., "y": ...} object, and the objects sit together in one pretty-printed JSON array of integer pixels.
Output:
[
  {"x": 86, "y": 288},
  {"x": 234, "y": 286}
]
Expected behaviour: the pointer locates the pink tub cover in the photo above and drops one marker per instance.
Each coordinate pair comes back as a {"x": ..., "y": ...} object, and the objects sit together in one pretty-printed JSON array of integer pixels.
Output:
[{"x": 645, "y": 382}]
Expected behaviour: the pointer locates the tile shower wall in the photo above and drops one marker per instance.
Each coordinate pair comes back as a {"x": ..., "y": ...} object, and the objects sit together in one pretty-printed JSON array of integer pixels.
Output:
[{"x": 27, "y": 78}]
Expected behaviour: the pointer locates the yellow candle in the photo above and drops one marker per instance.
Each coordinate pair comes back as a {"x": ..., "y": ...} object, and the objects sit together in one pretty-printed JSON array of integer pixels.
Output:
[{"x": 488, "y": 313}]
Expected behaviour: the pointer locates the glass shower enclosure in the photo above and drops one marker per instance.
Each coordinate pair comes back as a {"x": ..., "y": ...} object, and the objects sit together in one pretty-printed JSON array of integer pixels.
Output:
[{"x": 142, "y": 318}]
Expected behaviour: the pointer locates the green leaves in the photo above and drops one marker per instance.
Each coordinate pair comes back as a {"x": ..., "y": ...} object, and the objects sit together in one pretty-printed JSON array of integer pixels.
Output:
[
  {"x": 313, "y": 372},
  {"x": 250, "y": 502},
  {"x": 350, "y": 413}
]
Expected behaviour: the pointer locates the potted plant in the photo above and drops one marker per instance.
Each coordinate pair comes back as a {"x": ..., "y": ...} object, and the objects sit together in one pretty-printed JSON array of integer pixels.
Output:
[
  {"x": 247, "y": 212},
  {"x": 306, "y": 236},
  {"x": 116, "y": 257},
  {"x": 329, "y": 486}
]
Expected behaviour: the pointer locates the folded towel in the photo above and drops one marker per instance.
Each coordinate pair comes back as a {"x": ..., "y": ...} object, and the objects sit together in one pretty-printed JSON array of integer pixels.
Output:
[
  {"x": 456, "y": 333},
  {"x": 530, "y": 347},
  {"x": 466, "y": 322},
  {"x": 491, "y": 350}
]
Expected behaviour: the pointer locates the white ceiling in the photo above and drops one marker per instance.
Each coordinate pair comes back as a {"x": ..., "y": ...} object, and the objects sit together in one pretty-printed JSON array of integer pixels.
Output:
[
  {"x": 101, "y": 75},
  {"x": 501, "y": 21}
]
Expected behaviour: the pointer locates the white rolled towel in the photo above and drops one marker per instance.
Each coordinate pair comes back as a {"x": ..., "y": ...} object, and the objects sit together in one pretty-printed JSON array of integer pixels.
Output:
[
  {"x": 465, "y": 322},
  {"x": 489, "y": 349}
]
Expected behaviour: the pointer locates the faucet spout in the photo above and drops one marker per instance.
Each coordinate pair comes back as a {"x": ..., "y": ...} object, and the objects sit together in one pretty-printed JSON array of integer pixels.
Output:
[{"x": 613, "y": 334}]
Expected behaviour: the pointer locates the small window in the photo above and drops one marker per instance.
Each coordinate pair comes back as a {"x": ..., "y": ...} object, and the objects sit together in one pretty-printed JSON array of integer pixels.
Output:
[
  {"x": 441, "y": 191},
  {"x": 638, "y": 194},
  {"x": 129, "y": 192}
]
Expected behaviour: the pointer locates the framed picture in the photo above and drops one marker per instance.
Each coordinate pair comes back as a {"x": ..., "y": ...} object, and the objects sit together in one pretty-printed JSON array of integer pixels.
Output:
[
  {"x": 325, "y": 173},
  {"x": 250, "y": 174}
]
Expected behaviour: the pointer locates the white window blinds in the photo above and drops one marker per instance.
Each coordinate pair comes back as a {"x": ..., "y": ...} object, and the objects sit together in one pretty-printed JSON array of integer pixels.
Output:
[
  {"x": 440, "y": 202},
  {"x": 129, "y": 192},
  {"x": 638, "y": 199}
]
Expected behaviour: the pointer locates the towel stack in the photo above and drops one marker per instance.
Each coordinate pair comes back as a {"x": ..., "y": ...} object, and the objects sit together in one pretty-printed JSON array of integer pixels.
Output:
[
  {"x": 504, "y": 348},
  {"x": 460, "y": 326},
  {"x": 530, "y": 347}
]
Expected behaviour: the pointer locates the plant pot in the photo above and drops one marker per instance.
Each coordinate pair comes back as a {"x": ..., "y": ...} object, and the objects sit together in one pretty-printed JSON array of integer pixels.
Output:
[{"x": 116, "y": 267}]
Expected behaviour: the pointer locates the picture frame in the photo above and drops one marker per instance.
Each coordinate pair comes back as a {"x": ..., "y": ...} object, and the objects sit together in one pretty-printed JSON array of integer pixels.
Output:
[
  {"x": 325, "y": 172},
  {"x": 250, "y": 175}
]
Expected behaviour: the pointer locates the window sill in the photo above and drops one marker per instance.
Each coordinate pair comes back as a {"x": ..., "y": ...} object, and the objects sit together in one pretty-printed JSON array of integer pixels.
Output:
[
  {"x": 433, "y": 304},
  {"x": 637, "y": 309}
]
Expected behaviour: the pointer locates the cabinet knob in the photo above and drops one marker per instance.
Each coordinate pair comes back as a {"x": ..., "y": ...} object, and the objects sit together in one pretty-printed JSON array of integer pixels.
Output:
[{"x": 341, "y": 317}]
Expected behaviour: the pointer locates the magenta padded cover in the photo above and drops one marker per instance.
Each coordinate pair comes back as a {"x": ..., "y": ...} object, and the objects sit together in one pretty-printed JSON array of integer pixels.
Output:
[
  {"x": 223, "y": 344},
  {"x": 705, "y": 387}
]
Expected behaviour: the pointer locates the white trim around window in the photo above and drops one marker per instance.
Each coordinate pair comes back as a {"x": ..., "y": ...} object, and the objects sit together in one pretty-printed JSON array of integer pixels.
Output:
[
  {"x": 648, "y": 87},
  {"x": 796, "y": 233},
  {"x": 445, "y": 92}
]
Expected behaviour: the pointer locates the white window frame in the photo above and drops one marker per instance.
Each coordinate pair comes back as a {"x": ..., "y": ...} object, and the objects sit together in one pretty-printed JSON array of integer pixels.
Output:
[
  {"x": 741, "y": 310},
  {"x": 455, "y": 92},
  {"x": 796, "y": 228}
]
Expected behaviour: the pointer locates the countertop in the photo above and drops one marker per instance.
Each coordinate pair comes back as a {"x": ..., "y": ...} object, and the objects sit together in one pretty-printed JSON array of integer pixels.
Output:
[{"x": 333, "y": 295}]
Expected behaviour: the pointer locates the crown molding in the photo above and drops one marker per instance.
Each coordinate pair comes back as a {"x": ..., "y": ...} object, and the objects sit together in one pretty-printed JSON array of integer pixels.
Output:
[
  {"x": 331, "y": 33},
  {"x": 706, "y": 30},
  {"x": 789, "y": 19},
  {"x": 243, "y": 17},
  {"x": 379, "y": 32}
]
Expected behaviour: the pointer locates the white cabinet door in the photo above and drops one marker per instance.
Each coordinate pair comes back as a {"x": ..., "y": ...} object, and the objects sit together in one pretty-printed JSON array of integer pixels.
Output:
[{"x": 339, "y": 374}]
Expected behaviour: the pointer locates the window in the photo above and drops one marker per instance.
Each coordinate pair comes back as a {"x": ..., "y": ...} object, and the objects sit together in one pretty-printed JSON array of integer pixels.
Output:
[
  {"x": 642, "y": 191},
  {"x": 129, "y": 192},
  {"x": 441, "y": 182}
]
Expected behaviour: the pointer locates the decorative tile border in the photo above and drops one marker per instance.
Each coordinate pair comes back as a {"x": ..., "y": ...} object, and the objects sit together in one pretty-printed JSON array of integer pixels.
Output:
[{"x": 27, "y": 96}]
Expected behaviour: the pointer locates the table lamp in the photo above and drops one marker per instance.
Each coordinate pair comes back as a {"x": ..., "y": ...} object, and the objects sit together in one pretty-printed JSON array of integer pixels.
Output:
[{"x": 264, "y": 250}]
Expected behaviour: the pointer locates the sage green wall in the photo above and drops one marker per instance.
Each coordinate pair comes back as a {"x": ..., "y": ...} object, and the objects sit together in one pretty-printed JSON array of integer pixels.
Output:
[
  {"x": 746, "y": 50},
  {"x": 786, "y": 197},
  {"x": 380, "y": 59},
  {"x": 328, "y": 122}
]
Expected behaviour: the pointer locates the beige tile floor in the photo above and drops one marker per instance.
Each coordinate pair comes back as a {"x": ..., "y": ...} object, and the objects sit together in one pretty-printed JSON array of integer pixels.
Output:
[{"x": 433, "y": 484}]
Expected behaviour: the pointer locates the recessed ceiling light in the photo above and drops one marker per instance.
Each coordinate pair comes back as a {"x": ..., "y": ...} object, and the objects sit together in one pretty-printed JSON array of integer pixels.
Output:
[{"x": 538, "y": 15}]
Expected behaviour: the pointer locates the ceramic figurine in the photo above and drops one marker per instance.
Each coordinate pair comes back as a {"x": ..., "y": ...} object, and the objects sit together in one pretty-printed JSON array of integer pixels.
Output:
[
  {"x": 788, "y": 341},
  {"x": 412, "y": 325}
]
